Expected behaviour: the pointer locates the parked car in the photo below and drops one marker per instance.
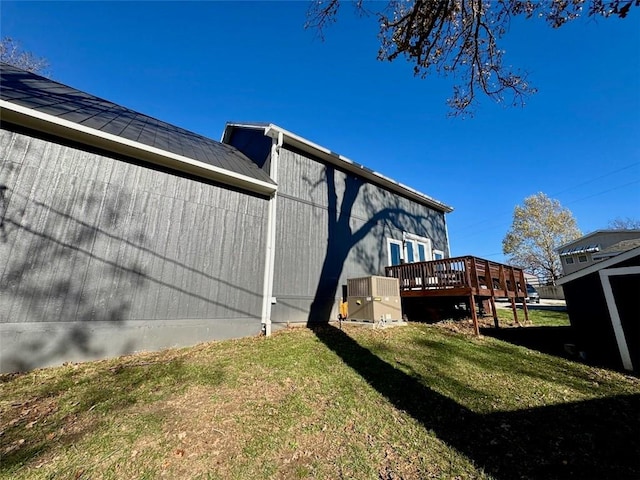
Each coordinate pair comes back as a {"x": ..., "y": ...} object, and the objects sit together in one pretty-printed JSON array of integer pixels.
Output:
[{"x": 532, "y": 295}]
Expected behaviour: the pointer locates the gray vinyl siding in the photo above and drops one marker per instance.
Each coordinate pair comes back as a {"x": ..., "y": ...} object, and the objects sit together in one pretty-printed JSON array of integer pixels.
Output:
[
  {"x": 101, "y": 257},
  {"x": 302, "y": 231}
]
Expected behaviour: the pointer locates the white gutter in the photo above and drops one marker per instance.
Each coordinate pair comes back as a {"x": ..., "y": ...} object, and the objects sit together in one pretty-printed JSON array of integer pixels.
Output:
[
  {"x": 446, "y": 234},
  {"x": 270, "y": 252},
  {"x": 349, "y": 165},
  {"x": 43, "y": 122}
]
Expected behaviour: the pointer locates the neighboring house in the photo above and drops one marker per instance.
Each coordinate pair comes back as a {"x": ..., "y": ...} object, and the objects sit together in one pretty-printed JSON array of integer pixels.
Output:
[
  {"x": 596, "y": 246},
  {"x": 604, "y": 310},
  {"x": 121, "y": 233},
  {"x": 532, "y": 279}
]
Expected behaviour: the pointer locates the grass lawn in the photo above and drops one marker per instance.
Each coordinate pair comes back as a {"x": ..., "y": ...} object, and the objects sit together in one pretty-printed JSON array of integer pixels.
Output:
[
  {"x": 538, "y": 318},
  {"x": 414, "y": 402}
]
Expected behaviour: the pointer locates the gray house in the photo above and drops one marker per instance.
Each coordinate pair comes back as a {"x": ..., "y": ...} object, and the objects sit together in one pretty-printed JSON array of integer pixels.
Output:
[
  {"x": 121, "y": 233},
  {"x": 595, "y": 247},
  {"x": 335, "y": 219}
]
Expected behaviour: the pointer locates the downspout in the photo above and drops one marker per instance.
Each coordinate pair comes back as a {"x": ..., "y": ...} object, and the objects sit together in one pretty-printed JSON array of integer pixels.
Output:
[
  {"x": 446, "y": 234},
  {"x": 270, "y": 253}
]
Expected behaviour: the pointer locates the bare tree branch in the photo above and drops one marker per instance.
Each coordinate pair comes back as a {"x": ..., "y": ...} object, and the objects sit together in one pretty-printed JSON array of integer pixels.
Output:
[
  {"x": 12, "y": 53},
  {"x": 461, "y": 37}
]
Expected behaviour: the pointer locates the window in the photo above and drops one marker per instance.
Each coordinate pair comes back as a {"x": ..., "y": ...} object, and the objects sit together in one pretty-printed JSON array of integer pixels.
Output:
[
  {"x": 409, "y": 256},
  {"x": 412, "y": 248},
  {"x": 582, "y": 258},
  {"x": 568, "y": 260},
  {"x": 417, "y": 248},
  {"x": 394, "y": 249}
]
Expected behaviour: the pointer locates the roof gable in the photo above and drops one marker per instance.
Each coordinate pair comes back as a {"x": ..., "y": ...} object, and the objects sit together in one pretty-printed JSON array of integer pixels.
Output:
[{"x": 293, "y": 140}]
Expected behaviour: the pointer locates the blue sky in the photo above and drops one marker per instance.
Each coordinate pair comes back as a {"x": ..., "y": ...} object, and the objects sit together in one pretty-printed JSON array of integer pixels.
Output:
[{"x": 201, "y": 64}]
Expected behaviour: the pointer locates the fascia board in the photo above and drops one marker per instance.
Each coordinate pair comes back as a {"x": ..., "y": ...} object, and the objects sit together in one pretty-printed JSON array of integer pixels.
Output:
[{"x": 43, "y": 122}]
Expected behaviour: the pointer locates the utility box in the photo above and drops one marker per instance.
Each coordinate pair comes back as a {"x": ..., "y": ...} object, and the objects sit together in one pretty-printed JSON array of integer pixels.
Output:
[{"x": 371, "y": 299}]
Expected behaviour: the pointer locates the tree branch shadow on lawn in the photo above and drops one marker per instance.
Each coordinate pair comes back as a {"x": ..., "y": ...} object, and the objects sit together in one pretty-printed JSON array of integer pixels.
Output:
[
  {"x": 589, "y": 439},
  {"x": 545, "y": 339}
]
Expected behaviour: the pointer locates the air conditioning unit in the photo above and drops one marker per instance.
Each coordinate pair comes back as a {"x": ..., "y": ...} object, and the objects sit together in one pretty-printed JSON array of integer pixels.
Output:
[{"x": 371, "y": 299}]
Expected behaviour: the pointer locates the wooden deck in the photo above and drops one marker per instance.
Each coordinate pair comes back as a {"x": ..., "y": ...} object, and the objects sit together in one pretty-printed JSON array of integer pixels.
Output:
[{"x": 474, "y": 278}]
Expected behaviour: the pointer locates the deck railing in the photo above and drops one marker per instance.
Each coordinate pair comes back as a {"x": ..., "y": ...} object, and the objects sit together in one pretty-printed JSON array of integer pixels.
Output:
[{"x": 480, "y": 275}]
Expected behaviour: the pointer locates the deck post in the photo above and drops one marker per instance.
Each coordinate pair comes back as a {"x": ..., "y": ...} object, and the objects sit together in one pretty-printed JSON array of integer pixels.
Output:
[
  {"x": 515, "y": 311},
  {"x": 526, "y": 310},
  {"x": 487, "y": 274},
  {"x": 494, "y": 311},
  {"x": 523, "y": 282},
  {"x": 474, "y": 315}
]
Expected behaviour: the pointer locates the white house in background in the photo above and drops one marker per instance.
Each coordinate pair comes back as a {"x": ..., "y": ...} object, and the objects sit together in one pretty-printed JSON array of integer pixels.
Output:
[{"x": 596, "y": 246}]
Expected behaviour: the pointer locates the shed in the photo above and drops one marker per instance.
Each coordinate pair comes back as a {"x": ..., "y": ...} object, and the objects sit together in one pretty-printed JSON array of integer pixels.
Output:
[{"x": 604, "y": 310}]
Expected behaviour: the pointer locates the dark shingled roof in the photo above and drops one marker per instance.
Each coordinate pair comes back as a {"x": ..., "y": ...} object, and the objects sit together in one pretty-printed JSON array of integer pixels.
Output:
[
  {"x": 41, "y": 94},
  {"x": 619, "y": 247}
]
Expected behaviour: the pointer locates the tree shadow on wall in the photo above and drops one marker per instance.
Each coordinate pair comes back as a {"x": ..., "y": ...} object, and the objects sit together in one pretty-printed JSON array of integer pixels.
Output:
[
  {"x": 53, "y": 276},
  {"x": 381, "y": 213}
]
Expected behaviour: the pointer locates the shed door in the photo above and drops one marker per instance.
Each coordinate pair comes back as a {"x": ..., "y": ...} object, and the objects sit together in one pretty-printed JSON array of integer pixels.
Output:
[{"x": 625, "y": 290}]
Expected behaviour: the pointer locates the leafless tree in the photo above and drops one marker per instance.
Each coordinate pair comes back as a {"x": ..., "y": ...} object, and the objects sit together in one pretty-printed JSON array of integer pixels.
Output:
[
  {"x": 460, "y": 38},
  {"x": 627, "y": 223},
  {"x": 12, "y": 53}
]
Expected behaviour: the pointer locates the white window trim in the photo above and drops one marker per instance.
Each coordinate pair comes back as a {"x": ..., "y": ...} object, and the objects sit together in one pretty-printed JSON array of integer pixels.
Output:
[
  {"x": 440, "y": 252},
  {"x": 416, "y": 240},
  {"x": 396, "y": 242}
]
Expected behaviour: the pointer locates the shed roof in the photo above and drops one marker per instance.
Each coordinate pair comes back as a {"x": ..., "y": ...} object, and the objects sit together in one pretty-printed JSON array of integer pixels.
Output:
[
  {"x": 618, "y": 248},
  {"x": 42, "y": 104},
  {"x": 340, "y": 161}
]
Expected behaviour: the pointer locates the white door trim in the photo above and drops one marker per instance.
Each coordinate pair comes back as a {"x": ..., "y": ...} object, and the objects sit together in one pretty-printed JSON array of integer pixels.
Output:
[{"x": 613, "y": 310}]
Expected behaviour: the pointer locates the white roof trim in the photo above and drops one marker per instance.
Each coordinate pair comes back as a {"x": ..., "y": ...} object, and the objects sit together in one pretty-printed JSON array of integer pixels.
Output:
[
  {"x": 581, "y": 249},
  {"x": 599, "y": 266},
  {"x": 303, "y": 144},
  {"x": 33, "y": 119}
]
